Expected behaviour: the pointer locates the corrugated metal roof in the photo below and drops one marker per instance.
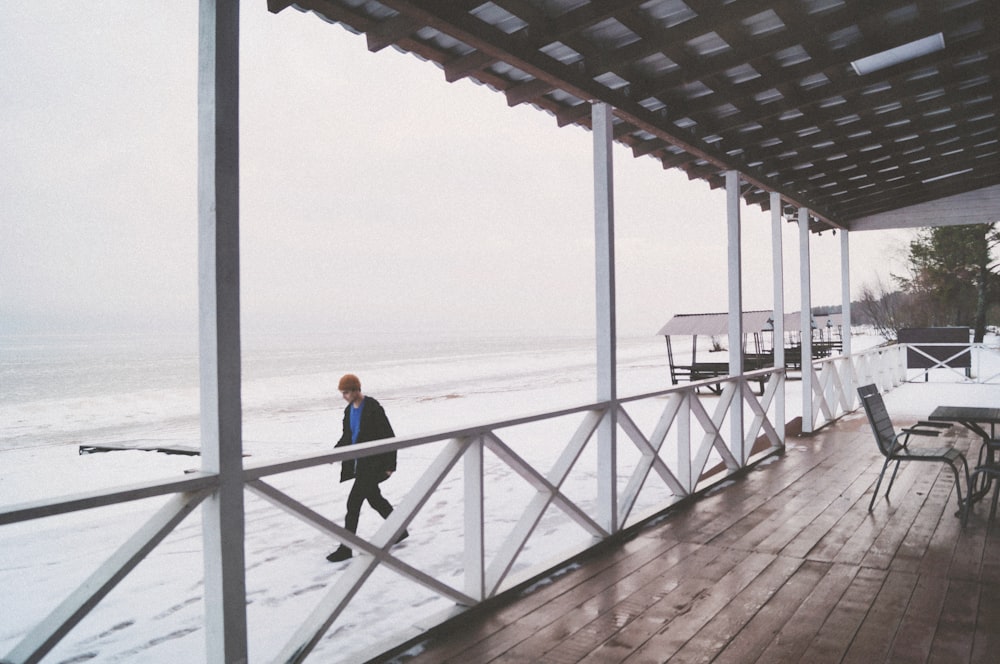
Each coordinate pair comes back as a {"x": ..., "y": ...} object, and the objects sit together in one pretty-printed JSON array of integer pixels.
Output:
[
  {"x": 713, "y": 324},
  {"x": 767, "y": 88},
  {"x": 717, "y": 324}
]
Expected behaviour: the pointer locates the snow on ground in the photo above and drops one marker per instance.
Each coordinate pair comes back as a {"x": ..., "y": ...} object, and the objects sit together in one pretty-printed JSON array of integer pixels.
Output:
[{"x": 157, "y": 613}]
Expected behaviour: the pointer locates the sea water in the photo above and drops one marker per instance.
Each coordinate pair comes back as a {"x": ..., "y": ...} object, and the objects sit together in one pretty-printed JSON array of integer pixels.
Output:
[{"x": 136, "y": 390}]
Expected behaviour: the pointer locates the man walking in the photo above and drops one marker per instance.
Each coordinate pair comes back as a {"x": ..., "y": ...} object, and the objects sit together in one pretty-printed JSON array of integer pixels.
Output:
[{"x": 364, "y": 420}]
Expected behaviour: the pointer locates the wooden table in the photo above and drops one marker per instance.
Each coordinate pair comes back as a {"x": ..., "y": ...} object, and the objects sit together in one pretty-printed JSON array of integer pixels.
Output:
[{"x": 975, "y": 419}]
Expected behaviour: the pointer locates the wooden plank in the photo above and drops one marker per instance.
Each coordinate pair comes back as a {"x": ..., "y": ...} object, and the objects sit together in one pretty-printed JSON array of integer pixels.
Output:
[
  {"x": 883, "y": 549},
  {"x": 797, "y": 493},
  {"x": 915, "y": 544},
  {"x": 820, "y": 489},
  {"x": 874, "y": 638},
  {"x": 899, "y": 507},
  {"x": 730, "y": 621},
  {"x": 720, "y": 509},
  {"x": 958, "y": 621},
  {"x": 692, "y": 586},
  {"x": 689, "y": 618},
  {"x": 834, "y": 637},
  {"x": 941, "y": 548},
  {"x": 600, "y": 614},
  {"x": 826, "y": 536},
  {"x": 986, "y": 642},
  {"x": 561, "y": 624},
  {"x": 989, "y": 573},
  {"x": 807, "y": 542},
  {"x": 796, "y": 635},
  {"x": 915, "y": 633},
  {"x": 511, "y": 621},
  {"x": 781, "y": 609},
  {"x": 968, "y": 557},
  {"x": 165, "y": 449},
  {"x": 849, "y": 539}
]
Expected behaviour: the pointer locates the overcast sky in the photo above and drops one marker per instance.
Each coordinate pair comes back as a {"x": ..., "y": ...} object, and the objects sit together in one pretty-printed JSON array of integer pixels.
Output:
[{"x": 373, "y": 193}]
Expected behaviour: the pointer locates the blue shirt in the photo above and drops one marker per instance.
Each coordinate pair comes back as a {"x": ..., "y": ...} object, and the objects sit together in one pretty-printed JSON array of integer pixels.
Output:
[{"x": 356, "y": 421}]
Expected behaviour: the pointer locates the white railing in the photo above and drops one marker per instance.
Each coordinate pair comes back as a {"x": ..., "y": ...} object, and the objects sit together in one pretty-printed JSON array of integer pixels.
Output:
[
  {"x": 668, "y": 445},
  {"x": 957, "y": 361},
  {"x": 836, "y": 379}
]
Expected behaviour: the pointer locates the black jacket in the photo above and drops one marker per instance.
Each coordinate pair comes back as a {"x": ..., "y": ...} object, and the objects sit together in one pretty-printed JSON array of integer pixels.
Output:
[{"x": 374, "y": 426}]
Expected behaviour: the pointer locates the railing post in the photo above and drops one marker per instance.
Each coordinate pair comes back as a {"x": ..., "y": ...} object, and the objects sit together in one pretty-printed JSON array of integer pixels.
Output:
[
  {"x": 475, "y": 515},
  {"x": 684, "y": 459},
  {"x": 604, "y": 245},
  {"x": 219, "y": 328},
  {"x": 735, "y": 312}
]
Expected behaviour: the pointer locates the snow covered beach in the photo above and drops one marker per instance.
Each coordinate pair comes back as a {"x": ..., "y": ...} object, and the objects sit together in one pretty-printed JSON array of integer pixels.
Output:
[
  {"x": 156, "y": 613},
  {"x": 63, "y": 392}
]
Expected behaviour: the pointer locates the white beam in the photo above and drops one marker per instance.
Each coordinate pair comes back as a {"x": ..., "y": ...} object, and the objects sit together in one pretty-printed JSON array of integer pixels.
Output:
[
  {"x": 475, "y": 518},
  {"x": 219, "y": 328},
  {"x": 845, "y": 289},
  {"x": 778, "y": 275},
  {"x": 604, "y": 242},
  {"x": 845, "y": 310},
  {"x": 805, "y": 321},
  {"x": 735, "y": 307}
]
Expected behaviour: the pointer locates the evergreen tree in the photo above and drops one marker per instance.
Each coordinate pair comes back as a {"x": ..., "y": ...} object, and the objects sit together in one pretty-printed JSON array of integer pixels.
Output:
[{"x": 952, "y": 275}]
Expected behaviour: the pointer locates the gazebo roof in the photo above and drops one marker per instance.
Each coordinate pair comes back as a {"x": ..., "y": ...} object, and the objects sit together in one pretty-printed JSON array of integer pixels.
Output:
[
  {"x": 717, "y": 324},
  {"x": 770, "y": 88},
  {"x": 713, "y": 324}
]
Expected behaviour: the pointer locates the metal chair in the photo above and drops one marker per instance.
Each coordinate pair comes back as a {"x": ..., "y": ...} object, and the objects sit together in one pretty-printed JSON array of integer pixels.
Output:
[
  {"x": 894, "y": 445},
  {"x": 987, "y": 474}
]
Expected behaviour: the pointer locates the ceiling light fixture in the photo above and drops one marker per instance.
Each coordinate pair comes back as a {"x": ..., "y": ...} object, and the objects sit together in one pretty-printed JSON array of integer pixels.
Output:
[{"x": 895, "y": 56}]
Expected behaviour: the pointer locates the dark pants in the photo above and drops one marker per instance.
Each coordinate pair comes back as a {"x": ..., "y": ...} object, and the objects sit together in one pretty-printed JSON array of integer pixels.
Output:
[{"x": 365, "y": 488}]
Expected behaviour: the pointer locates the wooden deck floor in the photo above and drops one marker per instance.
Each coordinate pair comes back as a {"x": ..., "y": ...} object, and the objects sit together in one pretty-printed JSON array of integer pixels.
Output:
[{"x": 785, "y": 565}]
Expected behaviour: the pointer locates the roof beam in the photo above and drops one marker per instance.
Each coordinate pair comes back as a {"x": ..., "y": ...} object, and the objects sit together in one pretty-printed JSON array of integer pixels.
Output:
[
  {"x": 461, "y": 67},
  {"x": 981, "y": 206},
  {"x": 390, "y": 31}
]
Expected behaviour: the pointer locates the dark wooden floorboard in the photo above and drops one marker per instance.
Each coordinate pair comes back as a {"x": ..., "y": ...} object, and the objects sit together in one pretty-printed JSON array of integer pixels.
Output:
[
  {"x": 836, "y": 633},
  {"x": 986, "y": 643},
  {"x": 915, "y": 634},
  {"x": 956, "y": 624},
  {"x": 784, "y": 564},
  {"x": 795, "y": 636},
  {"x": 874, "y": 638}
]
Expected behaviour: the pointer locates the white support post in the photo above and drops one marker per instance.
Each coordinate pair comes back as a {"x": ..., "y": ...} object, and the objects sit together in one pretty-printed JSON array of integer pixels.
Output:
[
  {"x": 845, "y": 289},
  {"x": 805, "y": 322},
  {"x": 607, "y": 389},
  {"x": 778, "y": 315},
  {"x": 475, "y": 546},
  {"x": 735, "y": 310},
  {"x": 219, "y": 328},
  {"x": 845, "y": 313}
]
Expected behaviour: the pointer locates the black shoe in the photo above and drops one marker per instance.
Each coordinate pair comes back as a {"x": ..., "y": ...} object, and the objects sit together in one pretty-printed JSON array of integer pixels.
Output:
[
  {"x": 403, "y": 536},
  {"x": 342, "y": 553}
]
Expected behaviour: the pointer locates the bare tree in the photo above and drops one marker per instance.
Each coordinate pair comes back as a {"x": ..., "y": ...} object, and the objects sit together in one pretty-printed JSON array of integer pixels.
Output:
[{"x": 888, "y": 311}]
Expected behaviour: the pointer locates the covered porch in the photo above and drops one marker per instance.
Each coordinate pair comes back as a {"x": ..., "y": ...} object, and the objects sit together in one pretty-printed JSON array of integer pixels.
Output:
[
  {"x": 778, "y": 560},
  {"x": 784, "y": 565}
]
